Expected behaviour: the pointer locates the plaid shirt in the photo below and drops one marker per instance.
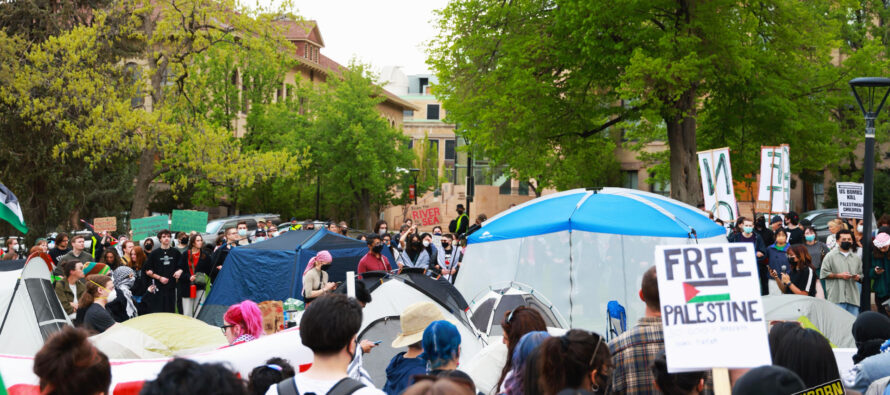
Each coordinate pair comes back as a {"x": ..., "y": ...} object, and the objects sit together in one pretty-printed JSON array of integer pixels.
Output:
[{"x": 632, "y": 356}]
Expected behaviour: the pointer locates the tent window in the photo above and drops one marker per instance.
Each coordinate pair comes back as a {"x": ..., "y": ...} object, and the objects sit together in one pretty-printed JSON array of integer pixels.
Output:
[
  {"x": 385, "y": 330},
  {"x": 47, "y": 309},
  {"x": 482, "y": 314}
]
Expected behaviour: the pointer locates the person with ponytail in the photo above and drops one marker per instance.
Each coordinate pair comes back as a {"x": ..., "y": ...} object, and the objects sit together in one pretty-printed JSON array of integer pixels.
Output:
[
  {"x": 91, "y": 312},
  {"x": 68, "y": 364},
  {"x": 315, "y": 277},
  {"x": 243, "y": 323},
  {"x": 578, "y": 360},
  {"x": 516, "y": 324}
]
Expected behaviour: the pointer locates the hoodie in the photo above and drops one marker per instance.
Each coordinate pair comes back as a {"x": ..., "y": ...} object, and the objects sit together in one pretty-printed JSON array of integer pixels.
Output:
[{"x": 400, "y": 373}]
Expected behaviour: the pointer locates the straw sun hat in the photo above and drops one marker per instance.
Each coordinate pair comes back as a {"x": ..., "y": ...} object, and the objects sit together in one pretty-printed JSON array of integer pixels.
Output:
[{"x": 414, "y": 319}]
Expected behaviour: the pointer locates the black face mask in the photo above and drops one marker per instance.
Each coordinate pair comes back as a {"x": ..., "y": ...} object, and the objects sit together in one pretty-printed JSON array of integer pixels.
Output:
[
  {"x": 377, "y": 248},
  {"x": 445, "y": 244},
  {"x": 846, "y": 245},
  {"x": 792, "y": 259},
  {"x": 326, "y": 267}
]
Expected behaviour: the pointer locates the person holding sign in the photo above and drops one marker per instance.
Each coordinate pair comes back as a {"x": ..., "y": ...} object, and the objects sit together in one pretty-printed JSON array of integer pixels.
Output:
[
  {"x": 164, "y": 267},
  {"x": 841, "y": 270},
  {"x": 802, "y": 279}
]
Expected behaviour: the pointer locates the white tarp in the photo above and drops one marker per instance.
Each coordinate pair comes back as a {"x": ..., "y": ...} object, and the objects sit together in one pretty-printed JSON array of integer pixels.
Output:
[{"x": 716, "y": 179}]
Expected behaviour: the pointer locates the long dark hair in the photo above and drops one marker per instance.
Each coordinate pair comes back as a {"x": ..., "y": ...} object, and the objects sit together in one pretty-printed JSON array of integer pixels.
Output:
[
  {"x": 566, "y": 360},
  {"x": 803, "y": 257},
  {"x": 807, "y": 353},
  {"x": 516, "y": 324}
]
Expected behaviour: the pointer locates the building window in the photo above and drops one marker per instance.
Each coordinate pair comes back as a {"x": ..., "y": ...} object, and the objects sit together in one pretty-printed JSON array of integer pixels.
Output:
[
  {"x": 432, "y": 111},
  {"x": 407, "y": 114},
  {"x": 630, "y": 179},
  {"x": 819, "y": 195},
  {"x": 662, "y": 188},
  {"x": 422, "y": 83},
  {"x": 134, "y": 73},
  {"x": 524, "y": 188},
  {"x": 411, "y": 144},
  {"x": 450, "y": 153}
]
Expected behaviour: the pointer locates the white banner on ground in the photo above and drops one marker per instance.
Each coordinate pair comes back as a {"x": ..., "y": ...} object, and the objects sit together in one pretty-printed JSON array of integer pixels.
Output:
[
  {"x": 711, "y": 309},
  {"x": 716, "y": 181},
  {"x": 774, "y": 181},
  {"x": 850, "y": 200}
]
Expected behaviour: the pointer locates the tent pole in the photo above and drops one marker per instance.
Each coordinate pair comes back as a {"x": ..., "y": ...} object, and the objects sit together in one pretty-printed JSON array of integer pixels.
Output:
[{"x": 9, "y": 307}]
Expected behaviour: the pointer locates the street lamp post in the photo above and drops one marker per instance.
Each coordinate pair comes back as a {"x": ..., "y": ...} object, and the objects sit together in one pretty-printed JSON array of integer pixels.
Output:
[{"x": 871, "y": 88}]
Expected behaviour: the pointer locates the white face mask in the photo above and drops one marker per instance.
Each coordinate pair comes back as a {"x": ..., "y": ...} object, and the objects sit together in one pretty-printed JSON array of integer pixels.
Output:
[
  {"x": 112, "y": 295},
  {"x": 242, "y": 232},
  {"x": 859, "y": 228},
  {"x": 426, "y": 243},
  {"x": 382, "y": 231},
  {"x": 274, "y": 234}
]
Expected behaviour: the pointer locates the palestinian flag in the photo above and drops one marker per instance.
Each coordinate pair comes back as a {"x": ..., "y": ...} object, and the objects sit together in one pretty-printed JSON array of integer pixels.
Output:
[
  {"x": 706, "y": 291},
  {"x": 10, "y": 210}
]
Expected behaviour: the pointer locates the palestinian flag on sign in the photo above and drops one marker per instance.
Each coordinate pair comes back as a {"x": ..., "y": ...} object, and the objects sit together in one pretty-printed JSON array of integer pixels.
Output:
[
  {"x": 10, "y": 211},
  {"x": 706, "y": 291}
]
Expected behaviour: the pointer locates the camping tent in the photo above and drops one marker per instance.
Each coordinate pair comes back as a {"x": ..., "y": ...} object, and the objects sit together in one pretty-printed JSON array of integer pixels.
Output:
[
  {"x": 581, "y": 248},
  {"x": 158, "y": 335},
  {"x": 273, "y": 269},
  {"x": 488, "y": 312},
  {"x": 835, "y": 323},
  {"x": 392, "y": 294},
  {"x": 31, "y": 312}
]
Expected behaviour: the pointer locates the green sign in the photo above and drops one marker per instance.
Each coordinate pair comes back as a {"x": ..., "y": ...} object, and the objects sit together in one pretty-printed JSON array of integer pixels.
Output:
[
  {"x": 149, "y": 226},
  {"x": 189, "y": 220}
]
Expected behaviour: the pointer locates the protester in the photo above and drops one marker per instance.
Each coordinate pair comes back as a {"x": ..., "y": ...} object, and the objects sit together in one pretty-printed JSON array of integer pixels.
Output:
[
  {"x": 687, "y": 383},
  {"x": 110, "y": 259},
  {"x": 344, "y": 228},
  {"x": 196, "y": 260},
  {"x": 69, "y": 364},
  {"x": 77, "y": 251},
  {"x": 315, "y": 278},
  {"x": 460, "y": 224},
  {"x": 429, "y": 385},
  {"x": 219, "y": 256},
  {"x": 816, "y": 248},
  {"x": 747, "y": 235},
  {"x": 777, "y": 254},
  {"x": 124, "y": 306},
  {"x": 415, "y": 255},
  {"x": 243, "y": 322},
  {"x": 516, "y": 324},
  {"x": 426, "y": 240},
  {"x": 42, "y": 244},
  {"x": 126, "y": 250},
  {"x": 841, "y": 270},
  {"x": 802, "y": 280},
  {"x": 356, "y": 369},
  {"x": 768, "y": 380},
  {"x": 264, "y": 376},
  {"x": 578, "y": 360},
  {"x": 765, "y": 233},
  {"x": 807, "y": 353},
  {"x": 634, "y": 351},
  {"x": 446, "y": 264},
  {"x": 61, "y": 247},
  {"x": 70, "y": 288},
  {"x": 91, "y": 312},
  {"x": 12, "y": 247},
  {"x": 405, "y": 365},
  {"x": 437, "y": 230},
  {"x": 328, "y": 327},
  {"x": 871, "y": 331},
  {"x": 381, "y": 228},
  {"x": 243, "y": 236},
  {"x": 148, "y": 245},
  {"x": 793, "y": 229},
  {"x": 163, "y": 266},
  {"x": 513, "y": 384},
  {"x": 881, "y": 264},
  {"x": 186, "y": 377},
  {"x": 441, "y": 350},
  {"x": 405, "y": 234},
  {"x": 374, "y": 259},
  {"x": 834, "y": 226}
]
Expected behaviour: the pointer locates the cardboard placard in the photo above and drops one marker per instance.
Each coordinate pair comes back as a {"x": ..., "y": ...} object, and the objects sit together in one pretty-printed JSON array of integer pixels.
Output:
[
  {"x": 716, "y": 179},
  {"x": 189, "y": 220},
  {"x": 774, "y": 181},
  {"x": 108, "y": 224},
  {"x": 850, "y": 200},
  {"x": 148, "y": 226},
  {"x": 425, "y": 215},
  {"x": 711, "y": 309}
]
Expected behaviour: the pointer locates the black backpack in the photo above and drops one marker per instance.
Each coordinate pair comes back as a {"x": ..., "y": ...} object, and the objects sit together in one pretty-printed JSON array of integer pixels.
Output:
[
  {"x": 346, "y": 386},
  {"x": 452, "y": 226}
]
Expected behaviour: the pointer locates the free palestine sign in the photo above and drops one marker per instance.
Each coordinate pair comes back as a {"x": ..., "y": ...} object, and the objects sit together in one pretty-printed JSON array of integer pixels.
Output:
[{"x": 711, "y": 311}]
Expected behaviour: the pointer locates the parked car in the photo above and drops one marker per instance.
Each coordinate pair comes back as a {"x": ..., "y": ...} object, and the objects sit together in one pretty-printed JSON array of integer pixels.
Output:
[
  {"x": 216, "y": 227},
  {"x": 820, "y": 219}
]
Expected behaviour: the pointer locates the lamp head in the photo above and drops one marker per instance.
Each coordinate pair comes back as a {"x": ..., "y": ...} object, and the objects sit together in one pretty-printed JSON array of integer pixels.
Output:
[{"x": 870, "y": 93}]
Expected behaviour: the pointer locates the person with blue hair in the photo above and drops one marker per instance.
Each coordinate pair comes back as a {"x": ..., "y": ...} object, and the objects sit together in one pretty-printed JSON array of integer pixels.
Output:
[
  {"x": 441, "y": 351},
  {"x": 527, "y": 343}
]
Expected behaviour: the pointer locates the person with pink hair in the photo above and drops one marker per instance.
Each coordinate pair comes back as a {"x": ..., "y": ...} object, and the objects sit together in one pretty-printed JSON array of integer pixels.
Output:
[
  {"x": 243, "y": 323},
  {"x": 315, "y": 278}
]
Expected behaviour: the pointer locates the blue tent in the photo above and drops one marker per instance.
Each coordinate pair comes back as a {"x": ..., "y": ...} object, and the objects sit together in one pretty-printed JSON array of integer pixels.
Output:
[{"x": 273, "y": 269}]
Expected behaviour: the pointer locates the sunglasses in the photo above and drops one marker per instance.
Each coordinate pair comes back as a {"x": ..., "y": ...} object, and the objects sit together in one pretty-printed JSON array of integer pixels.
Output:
[{"x": 225, "y": 327}]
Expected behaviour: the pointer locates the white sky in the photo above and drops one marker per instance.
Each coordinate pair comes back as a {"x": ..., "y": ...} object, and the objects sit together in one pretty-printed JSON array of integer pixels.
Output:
[{"x": 378, "y": 32}]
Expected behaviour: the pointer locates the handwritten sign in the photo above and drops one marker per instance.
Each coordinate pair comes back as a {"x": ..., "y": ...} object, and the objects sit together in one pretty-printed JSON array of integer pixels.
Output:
[
  {"x": 149, "y": 226},
  {"x": 108, "y": 224},
  {"x": 711, "y": 310},
  {"x": 189, "y": 220},
  {"x": 425, "y": 215},
  {"x": 774, "y": 181},
  {"x": 716, "y": 179},
  {"x": 850, "y": 200}
]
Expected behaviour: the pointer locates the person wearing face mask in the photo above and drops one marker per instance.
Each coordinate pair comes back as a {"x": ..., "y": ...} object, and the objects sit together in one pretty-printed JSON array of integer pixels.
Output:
[
  {"x": 12, "y": 248},
  {"x": 148, "y": 245},
  {"x": 747, "y": 235},
  {"x": 381, "y": 228},
  {"x": 841, "y": 270},
  {"x": 415, "y": 255},
  {"x": 431, "y": 248},
  {"x": 437, "y": 230},
  {"x": 315, "y": 278},
  {"x": 778, "y": 253},
  {"x": 802, "y": 279},
  {"x": 91, "y": 312},
  {"x": 816, "y": 248},
  {"x": 881, "y": 264},
  {"x": 374, "y": 259},
  {"x": 243, "y": 237},
  {"x": 448, "y": 256}
]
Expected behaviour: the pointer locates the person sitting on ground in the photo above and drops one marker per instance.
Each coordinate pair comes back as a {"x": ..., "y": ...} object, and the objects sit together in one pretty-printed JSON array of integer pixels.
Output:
[
  {"x": 441, "y": 350},
  {"x": 687, "y": 383},
  {"x": 405, "y": 365},
  {"x": 514, "y": 383},
  {"x": 328, "y": 327},
  {"x": 69, "y": 364},
  {"x": 186, "y": 377},
  {"x": 243, "y": 322},
  {"x": 91, "y": 312},
  {"x": 807, "y": 353},
  {"x": 264, "y": 376},
  {"x": 768, "y": 380},
  {"x": 516, "y": 324},
  {"x": 578, "y": 360},
  {"x": 70, "y": 288},
  {"x": 315, "y": 278}
]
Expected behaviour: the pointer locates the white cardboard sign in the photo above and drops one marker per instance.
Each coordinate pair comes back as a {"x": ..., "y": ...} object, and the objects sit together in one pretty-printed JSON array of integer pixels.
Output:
[
  {"x": 716, "y": 180},
  {"x": 774, "y": 181},
  {"x": 711, "y": 310},
  {"x": 850, "y": 200}
]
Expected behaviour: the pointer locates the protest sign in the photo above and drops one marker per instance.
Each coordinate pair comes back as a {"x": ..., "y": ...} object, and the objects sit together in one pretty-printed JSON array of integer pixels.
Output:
[
  {"x": 108, "y": 224},
  {"x": 149, "y": 226},
  {"x": 834, "y": 387},
  {"x": 716, "y": 180},
  {"x": 850, "y": 200},
  {"x": 425, "y": 215},
  {"x": 189, "y": 220},
  {"x": 774, "y": 181},
  {"x": 711, "y": 310}
]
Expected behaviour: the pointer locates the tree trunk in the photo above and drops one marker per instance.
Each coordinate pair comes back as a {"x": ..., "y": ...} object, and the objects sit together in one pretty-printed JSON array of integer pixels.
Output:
[
  {"x": 364, "y": 211},
  {"x": 144, "y": 177},
  {"x": 685, "y": 180}
]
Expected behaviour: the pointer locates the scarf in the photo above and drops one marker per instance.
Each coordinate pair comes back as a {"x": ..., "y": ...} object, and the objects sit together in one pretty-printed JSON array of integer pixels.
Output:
[
  {"x": 124, "y": 278},
  {"x": 322, "y": 256},
  {"x": 193, "y": 261}
]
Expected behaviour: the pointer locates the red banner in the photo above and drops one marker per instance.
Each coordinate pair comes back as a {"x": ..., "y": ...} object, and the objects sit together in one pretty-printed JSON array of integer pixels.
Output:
[{"x": 425, "y": 215}]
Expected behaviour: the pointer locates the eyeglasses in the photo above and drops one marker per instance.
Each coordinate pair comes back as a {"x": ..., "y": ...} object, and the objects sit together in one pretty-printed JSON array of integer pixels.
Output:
[{"x": 224, "y": 327}]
